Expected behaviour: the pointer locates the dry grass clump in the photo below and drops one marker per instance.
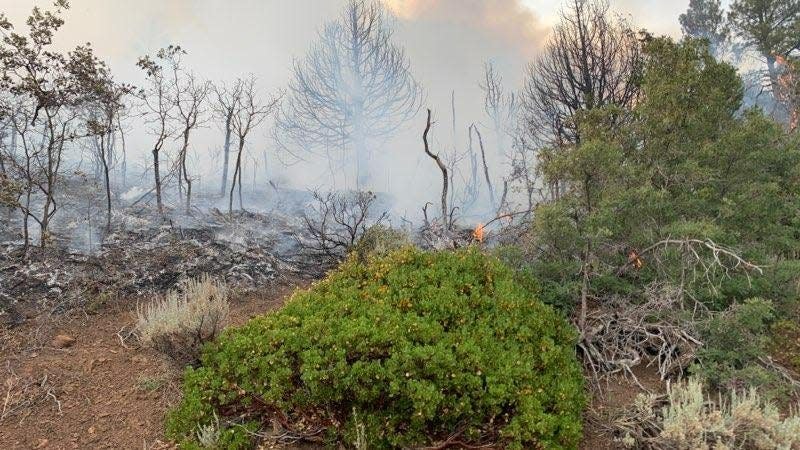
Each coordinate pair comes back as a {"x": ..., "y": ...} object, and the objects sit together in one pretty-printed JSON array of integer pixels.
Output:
[
  {"x": 181, "y": 322},
  {"x": 687, "y": 419}
]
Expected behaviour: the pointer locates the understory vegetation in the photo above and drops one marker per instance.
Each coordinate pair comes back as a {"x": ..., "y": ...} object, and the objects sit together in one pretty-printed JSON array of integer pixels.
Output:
[
  {"x": 408, "y": 350},
  {"x": 687, "y": 418}
]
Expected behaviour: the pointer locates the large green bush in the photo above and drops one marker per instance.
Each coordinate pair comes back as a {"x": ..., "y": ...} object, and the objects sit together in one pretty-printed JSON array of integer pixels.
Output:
[{"x": 406, "y": 350}]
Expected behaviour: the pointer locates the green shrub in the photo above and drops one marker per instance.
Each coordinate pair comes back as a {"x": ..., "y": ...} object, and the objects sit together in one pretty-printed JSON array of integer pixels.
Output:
[
  {"x": 786, "y": 342},
  {"x": 401, "y": 352},
  {"x": 734, "y": 340}
]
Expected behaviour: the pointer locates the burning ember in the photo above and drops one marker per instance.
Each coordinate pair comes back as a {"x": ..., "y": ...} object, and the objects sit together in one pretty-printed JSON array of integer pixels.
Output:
[
  {"x": 786, "y": 91},
  {"x": 478, "y": 233},
  {"x": 635, "y": 260}
]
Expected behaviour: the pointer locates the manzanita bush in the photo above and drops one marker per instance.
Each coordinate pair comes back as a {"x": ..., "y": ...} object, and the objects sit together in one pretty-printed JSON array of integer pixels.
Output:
[{"x": 410, "y": 349}]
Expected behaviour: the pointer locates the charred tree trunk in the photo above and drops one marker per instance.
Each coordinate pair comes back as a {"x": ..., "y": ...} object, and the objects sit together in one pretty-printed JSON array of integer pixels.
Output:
[
  {"x": 184, "y": 172},
  {"x": 485, "y": 168},
  {"x": 104, "y": 161},
  {"x": 226, "y": 151},
  {"x": 157, "y": 179},
  {"x": 442, "y": 167},
  {"x": 236, "y": 177},
  {"x": 124, "y": 163}
]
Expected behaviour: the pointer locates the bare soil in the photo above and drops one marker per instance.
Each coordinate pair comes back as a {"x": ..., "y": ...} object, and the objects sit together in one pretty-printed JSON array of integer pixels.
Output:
[
  {"x": 103, "y": 393},
  {"x": 96, "y": 393},
  {"x": 617, "y": 394}
]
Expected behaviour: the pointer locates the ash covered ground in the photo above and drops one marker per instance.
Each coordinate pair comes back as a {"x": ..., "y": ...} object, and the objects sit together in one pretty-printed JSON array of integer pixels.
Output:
[{"x": 145, "y": 254}]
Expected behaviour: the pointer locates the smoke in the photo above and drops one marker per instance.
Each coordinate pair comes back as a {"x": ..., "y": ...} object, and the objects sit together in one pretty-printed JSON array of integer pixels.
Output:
[
  {"x": 508, "y": 21},
  {"x": 447, "y": 42}
]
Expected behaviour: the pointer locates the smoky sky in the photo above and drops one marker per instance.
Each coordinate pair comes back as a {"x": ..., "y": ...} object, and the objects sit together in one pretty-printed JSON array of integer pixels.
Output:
[
  {"x": 226, "y": 38},
  {"x": 447, "y": 42}
]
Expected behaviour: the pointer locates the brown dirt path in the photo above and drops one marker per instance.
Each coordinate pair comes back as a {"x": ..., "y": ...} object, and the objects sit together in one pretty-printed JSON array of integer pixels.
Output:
[{"x": 96, "y": 393}]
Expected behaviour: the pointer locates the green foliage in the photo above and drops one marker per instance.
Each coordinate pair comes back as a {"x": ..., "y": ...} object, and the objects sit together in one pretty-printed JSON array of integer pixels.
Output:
[
  {"x": 771, "y": 26},
  {"x": 401, "y": 352},
  {"x": 681, "y": 164},
  {"x": 786, "y": 342},
  {"x": 685, "y": 163},
  {"x": 733, "y": 342}
]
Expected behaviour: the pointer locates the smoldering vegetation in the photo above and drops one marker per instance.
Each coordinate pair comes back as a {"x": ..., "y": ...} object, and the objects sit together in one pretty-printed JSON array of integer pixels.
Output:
[{"x": 640, "y": 189}]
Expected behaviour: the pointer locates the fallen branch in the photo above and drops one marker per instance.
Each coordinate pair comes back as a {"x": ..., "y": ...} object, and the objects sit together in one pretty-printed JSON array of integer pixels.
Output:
[
  {"x": 788, "y": 375},
  {"x": 621, "y": 335}
]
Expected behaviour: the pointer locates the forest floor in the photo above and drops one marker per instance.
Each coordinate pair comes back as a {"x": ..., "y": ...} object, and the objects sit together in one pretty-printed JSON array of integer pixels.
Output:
[{"x": 100, "y": 392}]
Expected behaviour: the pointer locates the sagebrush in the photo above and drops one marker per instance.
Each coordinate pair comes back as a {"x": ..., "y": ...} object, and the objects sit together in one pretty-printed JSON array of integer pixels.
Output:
[
  {"x": 181, "y": 322},
  {"x": 686, "y": 418}
]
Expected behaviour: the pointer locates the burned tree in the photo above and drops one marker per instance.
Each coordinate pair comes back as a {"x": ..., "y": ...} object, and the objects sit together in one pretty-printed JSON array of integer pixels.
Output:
[
  {"x": 486, "y": 176},
  {"x": 224, "y": 103},
  {"x": 249, "y": 113},
  {"x": 442, "y": 167},
  {"x": 337, "y": 221},
  {"x": 500, "y": 106},
  {"x": 104, "y": 121},
  {"x": 48, "y": 91},
  {"x": 355, "y": 86},
  {"x": 590, "y": 61},
  {"x": 189, "y": 96},
  {"x": 158, "y": 108}
]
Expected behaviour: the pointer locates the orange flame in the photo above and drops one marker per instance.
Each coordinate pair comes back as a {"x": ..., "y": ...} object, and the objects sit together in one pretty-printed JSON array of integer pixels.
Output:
[
  {"x": 635, "y": 260},
  {"x": 478, "y": 233},
  {"x": 786, "y": 90}
]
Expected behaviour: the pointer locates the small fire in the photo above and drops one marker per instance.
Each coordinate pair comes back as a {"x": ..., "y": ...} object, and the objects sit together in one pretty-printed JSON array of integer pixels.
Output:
[
  {"x": 478, "y": 233},
  {"x": 635, "y": 260},
  {"x": 786, "y": 90}
]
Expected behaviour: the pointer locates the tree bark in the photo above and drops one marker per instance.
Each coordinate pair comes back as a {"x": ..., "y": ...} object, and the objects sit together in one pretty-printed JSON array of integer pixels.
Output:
[
  {"x": 157, "y": 176},
  {"x": 184, "y": 172},
  {"x": 104, "y": 160},
  {"x": 236, "y": 176},
  {"x": 226, "y": 152}
]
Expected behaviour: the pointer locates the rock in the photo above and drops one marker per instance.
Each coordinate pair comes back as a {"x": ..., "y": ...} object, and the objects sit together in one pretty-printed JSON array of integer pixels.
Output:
[{"x": 63, "y": 341}]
